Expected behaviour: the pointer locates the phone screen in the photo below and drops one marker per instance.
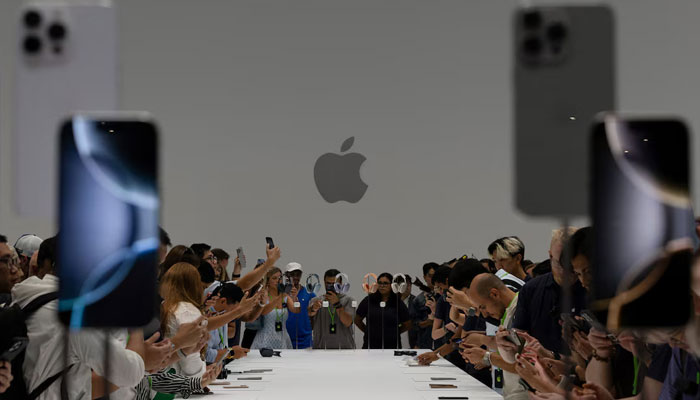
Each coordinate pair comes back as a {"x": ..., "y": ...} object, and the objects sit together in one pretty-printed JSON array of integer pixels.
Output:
[
  {"x": 642, "y": 217},
  {"x": 108, "y": 216}
]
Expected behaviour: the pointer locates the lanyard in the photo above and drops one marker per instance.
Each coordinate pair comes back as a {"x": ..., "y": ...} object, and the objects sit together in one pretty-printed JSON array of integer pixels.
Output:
[
  {"x": 503, "y": 318},
  {"x": 697, "y": 378},
  {"x": 279, "y": 316},
  {"x": 221, "y": 335},
  {"x": 332, "y": 314},
  {"x": 636, "y": 375}
]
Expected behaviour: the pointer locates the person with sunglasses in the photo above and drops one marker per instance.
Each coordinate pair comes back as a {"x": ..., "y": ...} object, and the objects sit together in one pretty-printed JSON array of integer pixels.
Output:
[{"x": 380, "y": 310}]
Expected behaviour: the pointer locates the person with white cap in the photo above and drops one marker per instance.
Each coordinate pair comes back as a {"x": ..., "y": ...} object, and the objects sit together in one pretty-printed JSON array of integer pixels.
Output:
[
  {"x": 26, "y": 246},
  {"x": 299, "y": 325}
]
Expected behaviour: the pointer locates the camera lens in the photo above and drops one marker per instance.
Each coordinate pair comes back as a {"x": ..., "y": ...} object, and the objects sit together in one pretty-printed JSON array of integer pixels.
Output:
[
  {"x": 32, "y": 19},
  {"x": 556, "y": 32},
  {"x": 32, "y": 44},
  {"x": 532, "y": 20},
  {"x": 57, "y": 31},
  {"x": 532, "y": 46}
]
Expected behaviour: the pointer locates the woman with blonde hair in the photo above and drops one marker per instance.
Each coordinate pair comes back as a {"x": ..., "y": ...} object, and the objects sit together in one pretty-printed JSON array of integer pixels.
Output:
[
  {"x": 274, "y": 315},
  {"x": 181, "y": 291}
]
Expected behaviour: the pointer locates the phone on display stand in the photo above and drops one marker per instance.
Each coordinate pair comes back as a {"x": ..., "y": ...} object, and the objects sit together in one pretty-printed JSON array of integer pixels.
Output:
[
  {"x": 642, "y": 212},
  {"x": 109, "y": 206},
  {"x": 66, "y": 61},
  {"x": 554, "y": 46}
]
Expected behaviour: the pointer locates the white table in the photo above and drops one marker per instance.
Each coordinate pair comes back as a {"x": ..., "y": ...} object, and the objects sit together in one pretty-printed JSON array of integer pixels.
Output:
[{"x": 346, "y": 374}]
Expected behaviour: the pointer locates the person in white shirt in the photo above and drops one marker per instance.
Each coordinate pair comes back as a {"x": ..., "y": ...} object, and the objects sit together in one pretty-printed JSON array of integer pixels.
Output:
[
  {"x": 45, "y": 352},
  {"x": 181, "y": 291}
]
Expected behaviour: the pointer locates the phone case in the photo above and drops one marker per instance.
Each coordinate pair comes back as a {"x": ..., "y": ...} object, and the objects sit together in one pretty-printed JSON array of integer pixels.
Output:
[
  {"x": 54, "y": 78},
  {"x": 564, "y": 74}
]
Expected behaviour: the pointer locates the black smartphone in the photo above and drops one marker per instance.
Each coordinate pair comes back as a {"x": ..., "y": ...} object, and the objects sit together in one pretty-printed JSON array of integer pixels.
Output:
[
  {"x": 527, "y": 385},
  {"x": 554, "y": 46},
  {"x": 109, "y": 208},
  {"x": 643, "y": 221},
  {"x": 270, "y": 243},
  {"x": 17, "y": 346}
]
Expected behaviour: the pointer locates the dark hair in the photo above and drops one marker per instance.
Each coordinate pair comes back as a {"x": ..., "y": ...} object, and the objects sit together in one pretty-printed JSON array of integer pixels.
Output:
[
  {"x": 490, "y": 263},
  {"x": 200, "y": 248},
  {"x": 442, "y": 274},
  {"x": 230, "y": 291},
  {"x": 3, "y": 239},
  {"x": 526, "y": 262},
  {"x": 464, "y": 272},
  {"x": 206, "y": 272},
  {"x": 581, "y": 243},
  {"x": 47, "y": 251},
  {"x": 428, "y": 266},
  {"x": 331, "y": 273},
  {"x": 220, "y": 254},
  {"x": 164, "y": 237},
  {"x": 376, "y": 297},
  {"x": 177, "y": 254},
  {"x": 542, "y": 268}
]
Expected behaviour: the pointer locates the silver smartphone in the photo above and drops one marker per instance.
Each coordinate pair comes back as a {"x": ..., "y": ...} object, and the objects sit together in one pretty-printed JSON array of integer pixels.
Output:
[
  {"x": 563, "y": 75},
  {"x": 66, "y": 61},
  {"x": 241, "y": 257}
]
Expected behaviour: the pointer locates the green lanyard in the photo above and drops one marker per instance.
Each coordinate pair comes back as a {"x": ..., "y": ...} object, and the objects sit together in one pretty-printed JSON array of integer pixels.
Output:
[
  {"x": 332, "y": 314},
  {"x": 636, "y": 375},
  {"x": 279, "y": 316},
  {"x": 503, "y": 318},
  {"x": 221, "y": 335},
  {"x": 697, "y": 378}
]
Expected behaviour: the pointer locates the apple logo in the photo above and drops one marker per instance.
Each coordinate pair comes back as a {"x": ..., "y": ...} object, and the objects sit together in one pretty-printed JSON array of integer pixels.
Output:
[{"x": 338, "y": 176}]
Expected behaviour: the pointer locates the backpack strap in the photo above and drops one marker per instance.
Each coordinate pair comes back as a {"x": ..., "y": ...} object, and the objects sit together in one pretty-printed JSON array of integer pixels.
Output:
[
  {"x": 39, "y": 302},
  {"x": 48, "y": 382}
]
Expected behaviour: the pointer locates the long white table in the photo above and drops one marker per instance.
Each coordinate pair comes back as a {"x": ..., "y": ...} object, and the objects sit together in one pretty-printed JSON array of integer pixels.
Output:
[{"x": 345, "y": 374}]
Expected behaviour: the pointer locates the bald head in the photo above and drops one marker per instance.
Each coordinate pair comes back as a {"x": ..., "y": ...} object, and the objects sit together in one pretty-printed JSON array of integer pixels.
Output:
[{"x": 483, "y": 283}]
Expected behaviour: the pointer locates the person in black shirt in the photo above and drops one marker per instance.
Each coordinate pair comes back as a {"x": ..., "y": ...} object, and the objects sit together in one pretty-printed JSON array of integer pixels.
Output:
[
  {"x": 539, "y": 301},
  {"x": 380, "y": 325}
]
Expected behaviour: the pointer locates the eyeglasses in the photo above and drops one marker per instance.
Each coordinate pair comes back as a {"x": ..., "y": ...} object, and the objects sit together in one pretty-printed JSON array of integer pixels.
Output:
[{"x": 211, "y": 258}]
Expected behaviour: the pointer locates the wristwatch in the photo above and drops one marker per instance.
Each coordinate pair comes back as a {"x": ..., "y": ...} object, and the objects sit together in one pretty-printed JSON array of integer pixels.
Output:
[{"x": 487, "y": 358}]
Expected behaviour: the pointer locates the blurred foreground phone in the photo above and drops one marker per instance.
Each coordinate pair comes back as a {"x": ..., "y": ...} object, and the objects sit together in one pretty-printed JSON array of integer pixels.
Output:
[
  {"x": 66, "y": 56},
  {"x": 108, "y": 216},
  {"x": 563, "y": 75},
  {"x": 643, "y": 221}
]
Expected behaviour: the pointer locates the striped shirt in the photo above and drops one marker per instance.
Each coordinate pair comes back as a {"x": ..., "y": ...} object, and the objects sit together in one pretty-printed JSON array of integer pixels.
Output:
[{"x": 511, "y": 281}]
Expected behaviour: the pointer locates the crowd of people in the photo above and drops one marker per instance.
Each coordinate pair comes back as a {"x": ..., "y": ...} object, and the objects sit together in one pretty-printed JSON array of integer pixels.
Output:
[{"x": 500, "y": 319}]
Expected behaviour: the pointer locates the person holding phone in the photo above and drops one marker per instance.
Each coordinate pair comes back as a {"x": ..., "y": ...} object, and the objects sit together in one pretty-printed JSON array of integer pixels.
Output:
[
  {"x": 274, "y": 315},
  {"x": 225, "y": 297},
  {"x": 5, "y": 375},
  {"x": 298, "y": 324},
  {"x": 422, "y": 320},
  {"x": 181, "y": 291},
  {"x": 383, "y": 322},
  {"x": 332, "y": 325}
]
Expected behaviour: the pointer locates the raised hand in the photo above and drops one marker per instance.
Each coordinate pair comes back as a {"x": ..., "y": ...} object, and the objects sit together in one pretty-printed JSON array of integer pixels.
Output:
[{"x": 273, "y": 254}]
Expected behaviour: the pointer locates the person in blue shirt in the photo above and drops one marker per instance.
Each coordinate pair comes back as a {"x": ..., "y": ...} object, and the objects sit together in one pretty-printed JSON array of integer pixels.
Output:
[
  {"x": 225, "y": 296},
  {"x": 299, "y": 325}
]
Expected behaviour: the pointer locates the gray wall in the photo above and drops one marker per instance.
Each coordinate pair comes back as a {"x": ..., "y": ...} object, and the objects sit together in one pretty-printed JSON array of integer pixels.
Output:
[{"x": 249, "y": 93}]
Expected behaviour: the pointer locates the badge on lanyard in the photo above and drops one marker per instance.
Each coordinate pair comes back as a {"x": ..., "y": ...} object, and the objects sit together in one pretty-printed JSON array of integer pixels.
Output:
[
  {"x": 332, "y": 328},
  {"x": 278, "y": 326}
]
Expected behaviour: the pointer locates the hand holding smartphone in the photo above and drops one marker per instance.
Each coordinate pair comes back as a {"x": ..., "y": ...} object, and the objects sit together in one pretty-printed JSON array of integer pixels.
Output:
[{"x": 270, "y": 243}]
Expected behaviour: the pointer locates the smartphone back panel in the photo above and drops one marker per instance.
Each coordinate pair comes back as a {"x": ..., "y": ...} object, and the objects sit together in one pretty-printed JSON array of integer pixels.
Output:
[
  {"x": 66, "y": 61},
  {"x": 564, "y": 74}
]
